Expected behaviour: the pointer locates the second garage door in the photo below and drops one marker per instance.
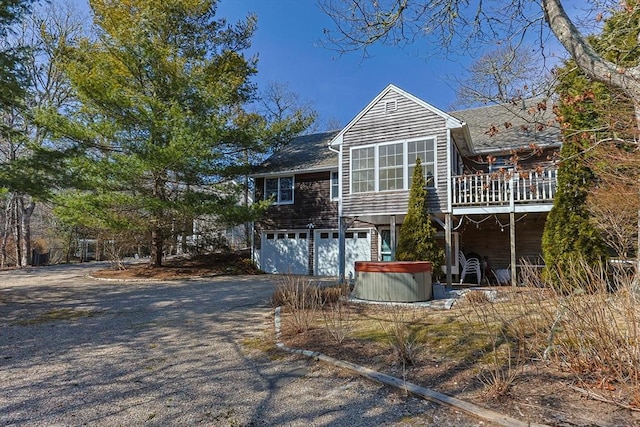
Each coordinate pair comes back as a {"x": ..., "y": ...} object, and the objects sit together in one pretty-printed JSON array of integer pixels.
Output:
[{"x": 357, "y": 248}]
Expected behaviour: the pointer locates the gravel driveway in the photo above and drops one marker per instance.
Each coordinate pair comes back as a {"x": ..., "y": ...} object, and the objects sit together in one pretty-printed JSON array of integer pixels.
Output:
[{"x": 78, "y": 351}]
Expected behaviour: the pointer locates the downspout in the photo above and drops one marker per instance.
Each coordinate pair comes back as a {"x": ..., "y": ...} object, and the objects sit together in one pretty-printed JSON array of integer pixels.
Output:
[
  {"x": 341, "y": 227},
  {"x": 447, "y": 215}
]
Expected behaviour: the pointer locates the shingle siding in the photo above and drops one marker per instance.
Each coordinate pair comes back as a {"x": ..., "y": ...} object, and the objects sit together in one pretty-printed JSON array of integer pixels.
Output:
[
  {"x": 312, "y": 204},
  {"x": 409, "y": 121}
]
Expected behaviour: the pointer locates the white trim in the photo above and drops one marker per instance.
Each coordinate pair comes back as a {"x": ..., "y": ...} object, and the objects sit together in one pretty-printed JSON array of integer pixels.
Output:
[
  {"x": 406, "y": 185},
  {"x": 449, "y": 170}
]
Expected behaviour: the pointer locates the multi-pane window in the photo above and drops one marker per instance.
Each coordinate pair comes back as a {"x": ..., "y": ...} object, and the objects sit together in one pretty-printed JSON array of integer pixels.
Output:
[
  {"x": 390, "y": 167},
  {"x": 280, "y": 190},
  {"x": 363, "y": 170},
  {"x": 334, "y": 185},
  {"x": 424, "y": 150},
  {"x": 387, "y": 167}
]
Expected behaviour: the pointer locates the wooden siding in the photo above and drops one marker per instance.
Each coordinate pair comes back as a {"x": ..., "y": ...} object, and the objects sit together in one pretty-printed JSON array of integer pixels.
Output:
[
  {"x": 410, "y": 120},
  {"x": 312, "y": 204}
]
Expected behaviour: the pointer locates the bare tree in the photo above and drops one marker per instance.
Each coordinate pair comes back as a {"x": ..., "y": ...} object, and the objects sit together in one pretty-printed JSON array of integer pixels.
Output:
[
  {"x": 40, "y": 34},
  {"x": 459, "y": 26},
  {"x": 502, "y": 75}
]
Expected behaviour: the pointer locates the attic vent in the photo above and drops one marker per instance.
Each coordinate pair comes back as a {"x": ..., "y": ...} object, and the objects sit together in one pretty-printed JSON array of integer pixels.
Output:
[{"x": 390, "y": 106}]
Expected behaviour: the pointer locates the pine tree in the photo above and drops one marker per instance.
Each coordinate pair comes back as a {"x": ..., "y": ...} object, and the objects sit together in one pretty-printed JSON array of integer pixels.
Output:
[
  {"x": 160, "y": 122},
  {"x": 417, "y": 235}
]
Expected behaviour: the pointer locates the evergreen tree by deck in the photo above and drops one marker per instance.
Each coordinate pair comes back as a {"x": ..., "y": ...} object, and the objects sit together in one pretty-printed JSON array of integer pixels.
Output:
[
  {"x": 417, "y": 235},
  {"x": 589, "y": 112},
  {"x": 569, "y": 234}
]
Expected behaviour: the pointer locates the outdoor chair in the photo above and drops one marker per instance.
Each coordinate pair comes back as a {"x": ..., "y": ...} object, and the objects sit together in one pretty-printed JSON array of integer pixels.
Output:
[{"x": 470, "y": 266}]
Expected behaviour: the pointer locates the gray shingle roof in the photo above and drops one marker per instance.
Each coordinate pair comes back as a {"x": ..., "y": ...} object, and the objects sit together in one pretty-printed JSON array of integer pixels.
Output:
[
  {"x": 526, "y": 124},
  {"x": 486, "y": 126},
  {"x": 303, "y": 153}
]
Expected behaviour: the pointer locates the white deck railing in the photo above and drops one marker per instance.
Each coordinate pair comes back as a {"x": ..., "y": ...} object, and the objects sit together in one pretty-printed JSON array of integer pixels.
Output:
[{"x": 504, "y": 187}]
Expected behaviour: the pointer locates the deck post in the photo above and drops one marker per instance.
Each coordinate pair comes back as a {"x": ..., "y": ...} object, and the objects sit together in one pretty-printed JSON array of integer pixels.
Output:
[
  {"x": 393, "y": 237},
  {"x": 447, "y": 247},
  {"x": 512, "y": 230}
]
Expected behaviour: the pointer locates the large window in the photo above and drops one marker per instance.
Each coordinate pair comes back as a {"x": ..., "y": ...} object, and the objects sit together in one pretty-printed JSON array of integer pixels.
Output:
[
  {"x": 391, "y": 167},
  {"x": 363, "y": 170},
  {"x": 280, "y": 190},
  {"x": 423, "y": 150},
  {"x": 388, "y": 167}
]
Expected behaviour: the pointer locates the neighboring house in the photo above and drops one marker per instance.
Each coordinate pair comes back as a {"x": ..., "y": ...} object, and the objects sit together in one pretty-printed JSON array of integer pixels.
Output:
[{"x": 341, "y": 196}]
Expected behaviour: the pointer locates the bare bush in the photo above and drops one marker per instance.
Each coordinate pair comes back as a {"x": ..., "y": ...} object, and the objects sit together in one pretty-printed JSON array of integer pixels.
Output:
[
  {"x": 337, "y": 320},
  {"x": 508, "y": 322},
  {"x": 596, "y": 328},
  {"x": 402, "y": 331},
  {"x": 300, "y": 298}
]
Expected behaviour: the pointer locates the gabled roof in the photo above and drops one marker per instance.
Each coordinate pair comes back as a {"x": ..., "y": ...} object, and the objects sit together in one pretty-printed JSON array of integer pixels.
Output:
[
  {"x": 505, "y": 127},
  {"x": 489, "y": 129},
  {"x": 303, "y": 153},
  {"x": 451, "y": 122}
]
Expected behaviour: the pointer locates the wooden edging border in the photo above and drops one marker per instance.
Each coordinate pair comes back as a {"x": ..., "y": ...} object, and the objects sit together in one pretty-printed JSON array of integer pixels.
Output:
[{"x": 413, "y": 389}]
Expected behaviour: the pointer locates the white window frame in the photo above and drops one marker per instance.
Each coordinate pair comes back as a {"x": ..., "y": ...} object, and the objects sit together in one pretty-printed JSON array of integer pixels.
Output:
[
  {"x": 406, "y": 185},
  {"x": 394, "y": 167},
  {"x": 278, "y": 199},
  {"x": 375, "y": 167},
  {"x": 430, "y": 182}
]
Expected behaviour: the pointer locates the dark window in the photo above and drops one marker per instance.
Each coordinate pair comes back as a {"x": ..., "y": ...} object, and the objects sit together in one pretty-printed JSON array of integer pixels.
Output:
[
  {"x": 362, "y": 235},
  {"x": 334, "y": 185},
  {"x": 324, "y": 235},
  {"x": 270, "y": 236},
  {"x": 291, "y": 235},
  {"x": 280, "y": 235},
  {"x": 335, "y": 235},
  {"x": 303, "y": 235},
  {"x": 349, "y": 235},
  {"x": 280, "y": 190}
]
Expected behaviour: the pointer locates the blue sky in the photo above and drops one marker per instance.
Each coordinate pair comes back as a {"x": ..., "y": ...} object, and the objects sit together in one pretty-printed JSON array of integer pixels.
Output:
[{"x": 288, "y": 42}]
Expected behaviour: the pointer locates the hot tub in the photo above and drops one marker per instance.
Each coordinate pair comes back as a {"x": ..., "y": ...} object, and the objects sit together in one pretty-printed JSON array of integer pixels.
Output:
[{"x": 393, "y": 281}]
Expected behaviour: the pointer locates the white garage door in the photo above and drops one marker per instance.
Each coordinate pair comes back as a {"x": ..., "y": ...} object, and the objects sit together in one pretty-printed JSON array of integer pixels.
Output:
[
  {"x": 285, "y": 252},
  {"x": 357, "y": 248}
]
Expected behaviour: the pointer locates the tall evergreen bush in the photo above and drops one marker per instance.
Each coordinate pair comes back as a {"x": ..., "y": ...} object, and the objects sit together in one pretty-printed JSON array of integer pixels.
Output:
[{"x": 417, "y": 234}]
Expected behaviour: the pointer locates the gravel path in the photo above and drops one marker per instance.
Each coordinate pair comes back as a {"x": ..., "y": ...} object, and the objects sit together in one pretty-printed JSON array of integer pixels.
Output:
[{"x": 77, "y": 351}]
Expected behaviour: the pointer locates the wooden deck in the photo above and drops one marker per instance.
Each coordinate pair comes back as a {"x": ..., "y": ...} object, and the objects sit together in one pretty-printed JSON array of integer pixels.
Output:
[{"x": 504, "y": 188}]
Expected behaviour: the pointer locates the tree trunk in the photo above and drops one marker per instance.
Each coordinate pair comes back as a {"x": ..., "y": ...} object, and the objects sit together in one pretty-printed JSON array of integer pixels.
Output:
[
  {"x": 157, "y": 242},
  {"x": 6, "y": 232},
  {"x": 25, "y": 226},
  {"x": 17, "y": 230}
]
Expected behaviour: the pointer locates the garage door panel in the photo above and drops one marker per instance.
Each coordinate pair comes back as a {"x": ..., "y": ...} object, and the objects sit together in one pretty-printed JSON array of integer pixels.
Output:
[
  {"x": 285, "y": 253},
  {"x": 357, "y": 248},
  {"x": 326, "y": 253}
]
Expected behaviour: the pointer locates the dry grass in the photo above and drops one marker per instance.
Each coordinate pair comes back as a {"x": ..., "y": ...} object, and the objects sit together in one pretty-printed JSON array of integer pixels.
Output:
[{"x": 590, "y": 333}]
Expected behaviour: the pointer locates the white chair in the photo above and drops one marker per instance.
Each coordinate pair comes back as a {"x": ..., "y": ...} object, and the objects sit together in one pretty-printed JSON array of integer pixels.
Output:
[{"x": 470, "y": 266}]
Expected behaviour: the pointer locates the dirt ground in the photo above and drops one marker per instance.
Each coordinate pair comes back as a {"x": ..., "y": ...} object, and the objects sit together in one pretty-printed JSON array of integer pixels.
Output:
[{"x": 540, "y": 393}]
